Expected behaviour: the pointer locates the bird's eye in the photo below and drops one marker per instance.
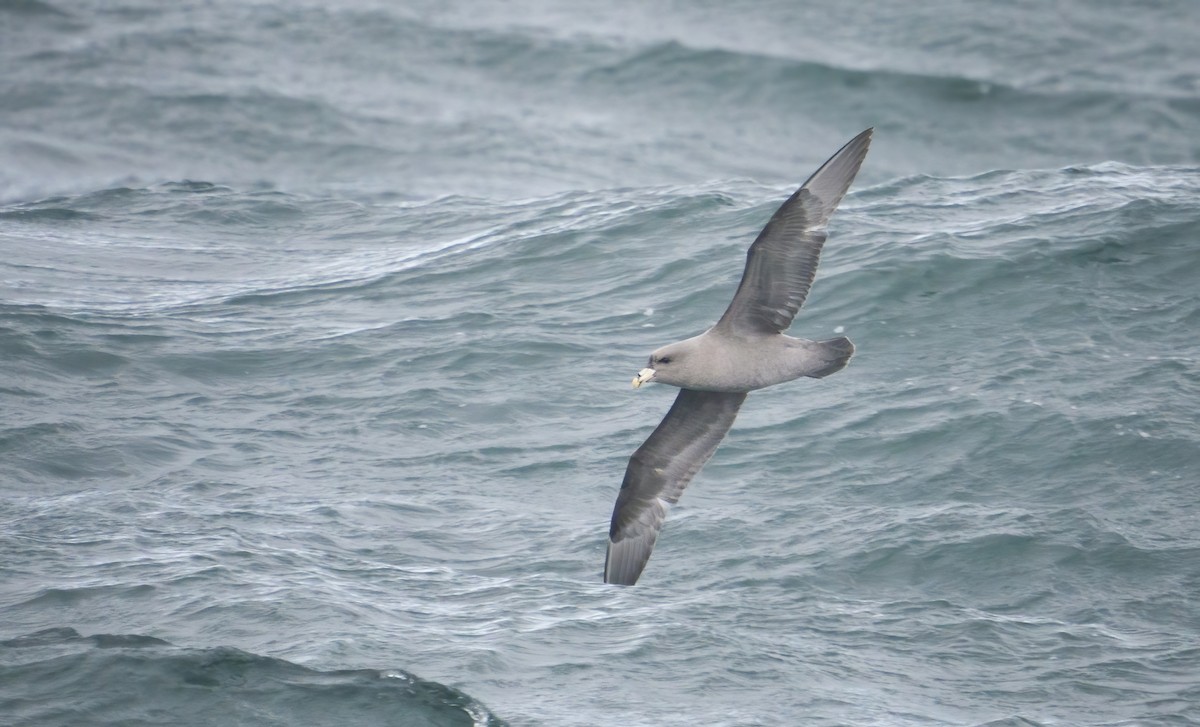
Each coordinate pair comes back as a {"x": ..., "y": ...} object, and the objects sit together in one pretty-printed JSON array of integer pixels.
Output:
[{"x": 664, "y": 360}]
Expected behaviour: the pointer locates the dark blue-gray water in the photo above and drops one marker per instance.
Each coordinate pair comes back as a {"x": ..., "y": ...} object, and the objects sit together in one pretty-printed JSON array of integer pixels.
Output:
[{"x": 317, "y": 322}]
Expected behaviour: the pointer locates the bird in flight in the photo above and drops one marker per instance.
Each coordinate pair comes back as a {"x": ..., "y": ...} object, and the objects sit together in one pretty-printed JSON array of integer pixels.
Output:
[{"x": 744, "y": 351}]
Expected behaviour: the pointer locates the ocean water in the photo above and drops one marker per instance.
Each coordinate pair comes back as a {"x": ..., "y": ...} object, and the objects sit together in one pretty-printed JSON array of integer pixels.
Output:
[{"x": 317, "y": 322}]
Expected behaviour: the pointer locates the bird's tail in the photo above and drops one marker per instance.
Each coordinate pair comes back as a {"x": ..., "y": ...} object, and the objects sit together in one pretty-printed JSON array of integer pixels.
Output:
[{"x": 833, "y": 354}]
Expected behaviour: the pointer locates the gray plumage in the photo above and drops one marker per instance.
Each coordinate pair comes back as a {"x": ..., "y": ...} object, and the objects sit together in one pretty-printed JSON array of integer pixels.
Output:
[{"x": 744, "y": 351}]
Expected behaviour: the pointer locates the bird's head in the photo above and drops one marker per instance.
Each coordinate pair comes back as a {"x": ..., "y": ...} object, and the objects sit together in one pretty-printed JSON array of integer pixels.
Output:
[{"x": 667, "y": 365}]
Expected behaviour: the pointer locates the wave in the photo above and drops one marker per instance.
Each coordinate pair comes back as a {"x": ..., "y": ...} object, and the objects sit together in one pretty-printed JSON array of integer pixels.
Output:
[
  {"x": 261, "y": 246},
  {"x": 58, "y": 677},
  {"x": 735, "y": 71},
  {"x": 134, "y": 247},
  {"x": 31, "y": 8},
  {"x": 261, "y": 253}
]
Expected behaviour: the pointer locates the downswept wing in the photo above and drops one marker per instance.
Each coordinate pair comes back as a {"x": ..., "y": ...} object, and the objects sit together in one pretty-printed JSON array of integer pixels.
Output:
[
  {"x": 657, "y": 473},
  {"x": 783, "y": 259}
]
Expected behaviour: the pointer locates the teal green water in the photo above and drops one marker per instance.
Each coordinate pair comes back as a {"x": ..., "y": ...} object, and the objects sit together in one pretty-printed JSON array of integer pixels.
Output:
[{"x": 317, "y": 325}]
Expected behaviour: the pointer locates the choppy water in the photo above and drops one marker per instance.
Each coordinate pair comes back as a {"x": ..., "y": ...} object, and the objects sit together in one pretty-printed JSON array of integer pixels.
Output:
[{"x": 317, "y": 322}]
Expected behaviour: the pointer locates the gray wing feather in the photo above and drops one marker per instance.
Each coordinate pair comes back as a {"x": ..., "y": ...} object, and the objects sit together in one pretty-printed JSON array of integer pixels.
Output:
[
  {"x": 657, "y": 473},
  {"x": 783, "y": 259}
]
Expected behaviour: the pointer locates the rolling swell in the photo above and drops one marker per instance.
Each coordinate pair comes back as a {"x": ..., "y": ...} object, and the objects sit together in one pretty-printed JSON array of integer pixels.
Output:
[
  {"x": 342, "y": 429},
  {"x": 58, "y": 677},
  {"x": 317, "y": 323},
  {"x": 798, "y": 93},
  {"x": 448, "y": 130}
]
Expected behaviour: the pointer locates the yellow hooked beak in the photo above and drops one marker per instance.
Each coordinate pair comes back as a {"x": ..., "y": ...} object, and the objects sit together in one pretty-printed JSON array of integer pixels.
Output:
[{"x": 643, "y": 376}]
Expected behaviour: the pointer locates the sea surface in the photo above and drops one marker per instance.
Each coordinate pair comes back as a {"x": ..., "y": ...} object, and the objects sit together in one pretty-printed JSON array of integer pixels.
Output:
[{"x": 318, "y": 320}]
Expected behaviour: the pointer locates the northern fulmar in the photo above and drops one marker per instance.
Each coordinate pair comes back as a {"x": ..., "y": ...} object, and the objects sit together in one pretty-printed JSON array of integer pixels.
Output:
[{"x": 744, "y": 351}]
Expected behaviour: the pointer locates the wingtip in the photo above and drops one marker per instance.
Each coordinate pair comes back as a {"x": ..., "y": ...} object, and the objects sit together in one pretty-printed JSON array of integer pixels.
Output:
[
  {"x": 831, "y": 181},
  {"x": 620, "y": 567},
  {"x": 862, "y": 138}
]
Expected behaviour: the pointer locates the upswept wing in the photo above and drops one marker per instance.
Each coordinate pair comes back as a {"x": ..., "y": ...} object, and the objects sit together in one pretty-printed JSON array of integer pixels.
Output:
[
  {"x": 657, "y": 473},
  {"x": 783, "y": 259}
]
